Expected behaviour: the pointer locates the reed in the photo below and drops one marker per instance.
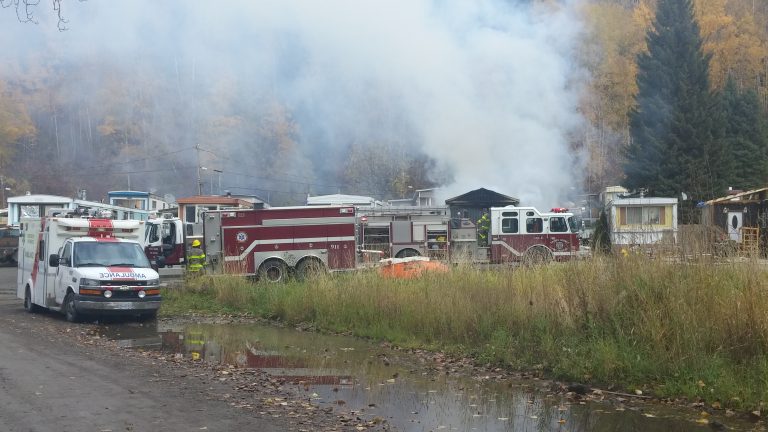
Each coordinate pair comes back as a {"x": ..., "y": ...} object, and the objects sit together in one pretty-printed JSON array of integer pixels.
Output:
[{"x": 697, "y": 329}]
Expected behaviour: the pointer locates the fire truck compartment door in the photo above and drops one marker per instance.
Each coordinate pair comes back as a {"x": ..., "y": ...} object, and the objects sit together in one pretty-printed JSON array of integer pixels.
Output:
[
  {"x": 401, "y": 232},
  {"x": 212, "y": 236},
  {"x": 419, "y": 233}
]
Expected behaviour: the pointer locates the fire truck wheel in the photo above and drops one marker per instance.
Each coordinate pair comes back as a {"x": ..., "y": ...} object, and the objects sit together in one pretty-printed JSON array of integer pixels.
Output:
[
  {"x": 69, "y": 308},
  {"x": 28, "y": 305},
  {"x": 309, "y": 269},
  {"x": 537, "y": 255},
  {"x": 273, "y": 271}
]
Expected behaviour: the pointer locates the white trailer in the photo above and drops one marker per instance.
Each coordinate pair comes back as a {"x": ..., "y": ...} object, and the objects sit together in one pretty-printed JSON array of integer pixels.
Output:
[{"x": 86, "y": 266}]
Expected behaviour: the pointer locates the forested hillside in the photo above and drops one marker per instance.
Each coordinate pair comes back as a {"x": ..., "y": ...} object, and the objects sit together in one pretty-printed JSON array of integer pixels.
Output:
[
  {"x": 735, "y": 37},
  {"x": 134, "y": 121}
]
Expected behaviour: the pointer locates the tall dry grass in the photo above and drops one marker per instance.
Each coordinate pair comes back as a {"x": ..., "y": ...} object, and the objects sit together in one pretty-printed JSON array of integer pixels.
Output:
[{"x": 694, "y": 328}]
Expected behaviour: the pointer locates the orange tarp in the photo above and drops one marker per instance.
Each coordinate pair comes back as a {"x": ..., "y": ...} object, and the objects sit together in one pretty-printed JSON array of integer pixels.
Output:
[{"x": 409, "y": 268}]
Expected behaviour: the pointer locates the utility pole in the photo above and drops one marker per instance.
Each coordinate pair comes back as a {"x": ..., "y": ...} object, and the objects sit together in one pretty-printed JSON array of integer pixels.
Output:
[{"x": 199, "y": 180}]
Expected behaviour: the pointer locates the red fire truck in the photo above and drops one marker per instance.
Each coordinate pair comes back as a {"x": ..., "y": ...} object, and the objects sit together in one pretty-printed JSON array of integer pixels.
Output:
[
  {"x": 516, "y": 234},
  {"x": 271, "y": 242},
  {"x": 527, "y": 235}
]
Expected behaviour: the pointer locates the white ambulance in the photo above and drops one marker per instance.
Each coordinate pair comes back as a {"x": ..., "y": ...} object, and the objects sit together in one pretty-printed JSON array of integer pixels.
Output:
[{"x": 86, "y": 266}]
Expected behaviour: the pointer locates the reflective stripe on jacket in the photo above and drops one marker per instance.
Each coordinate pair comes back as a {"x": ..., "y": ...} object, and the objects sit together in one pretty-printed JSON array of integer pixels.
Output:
[{"x": 196, "y": 259}]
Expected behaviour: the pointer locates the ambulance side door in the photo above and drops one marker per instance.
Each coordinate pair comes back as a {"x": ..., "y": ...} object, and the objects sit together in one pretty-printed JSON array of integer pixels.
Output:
[{"x": 63, "y": 272}]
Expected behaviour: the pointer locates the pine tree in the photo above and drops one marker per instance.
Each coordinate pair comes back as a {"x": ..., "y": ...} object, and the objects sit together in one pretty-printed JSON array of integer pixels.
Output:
[
  {"x": 745, "y": 137},
  {"x": 601, "y": 237},
  {"x": 676, "y": 125}
]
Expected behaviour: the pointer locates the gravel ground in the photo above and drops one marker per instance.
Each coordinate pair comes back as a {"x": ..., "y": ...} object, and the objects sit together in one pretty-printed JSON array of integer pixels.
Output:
[{"x": 57, "y": 376}]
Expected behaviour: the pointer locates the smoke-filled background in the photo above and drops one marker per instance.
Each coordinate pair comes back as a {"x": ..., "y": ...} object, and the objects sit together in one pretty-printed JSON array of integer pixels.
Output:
[{"x": 290, "y": 98}]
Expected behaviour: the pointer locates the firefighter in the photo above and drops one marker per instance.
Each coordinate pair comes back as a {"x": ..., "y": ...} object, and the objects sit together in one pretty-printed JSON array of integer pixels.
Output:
[
  {"x": 483, "y": 225},
  {"x": 195, "y": 258}
]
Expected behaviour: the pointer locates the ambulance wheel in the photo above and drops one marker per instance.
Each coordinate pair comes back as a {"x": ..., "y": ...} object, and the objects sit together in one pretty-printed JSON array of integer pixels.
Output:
[
  {"x": 537, "y": 255},
  {"x": 69, "y": 308},
  {"x": 309, "y": 268},
  {"x": 406, "y": 253},
  {"x": 28, "y": 305},
  {"x": 273, "y": 271}
]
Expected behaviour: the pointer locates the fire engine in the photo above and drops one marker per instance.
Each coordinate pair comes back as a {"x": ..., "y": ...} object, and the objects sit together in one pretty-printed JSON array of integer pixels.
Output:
[
  {"x": 82, "y": 266},
  {"x": 515, "y": 234},
  {"x": 165, "y": 241},
  {"x": 271, "y": 242}
]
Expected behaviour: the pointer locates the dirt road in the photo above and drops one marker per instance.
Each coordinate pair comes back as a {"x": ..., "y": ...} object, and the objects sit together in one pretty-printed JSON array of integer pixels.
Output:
[{"x": 57, "y": 376}]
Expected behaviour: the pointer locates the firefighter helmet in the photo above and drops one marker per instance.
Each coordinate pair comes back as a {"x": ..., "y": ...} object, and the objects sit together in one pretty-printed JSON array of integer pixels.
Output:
[{"x": 195, "y": 243}]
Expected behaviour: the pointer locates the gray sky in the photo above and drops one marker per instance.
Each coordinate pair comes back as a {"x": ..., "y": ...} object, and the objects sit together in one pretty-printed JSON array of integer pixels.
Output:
[{"x": 487, "y": 88}]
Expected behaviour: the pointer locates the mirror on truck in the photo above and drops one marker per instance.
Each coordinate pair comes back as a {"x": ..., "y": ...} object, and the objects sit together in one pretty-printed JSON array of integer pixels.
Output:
[
  {"x": 53, "y": 260},
  {"x": 160, "y": 261}
]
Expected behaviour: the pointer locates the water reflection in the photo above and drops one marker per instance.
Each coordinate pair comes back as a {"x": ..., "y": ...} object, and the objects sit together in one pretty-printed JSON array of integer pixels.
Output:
[{"x": 372, "y": 381}]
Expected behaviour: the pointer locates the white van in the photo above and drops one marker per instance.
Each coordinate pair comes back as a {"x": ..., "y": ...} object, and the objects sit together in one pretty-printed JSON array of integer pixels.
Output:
[{"x": 86, "y": 267}]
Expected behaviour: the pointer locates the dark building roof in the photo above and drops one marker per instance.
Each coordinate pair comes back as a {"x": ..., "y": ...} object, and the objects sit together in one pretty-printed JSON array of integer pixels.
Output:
[{"x": 482, "y": 198}]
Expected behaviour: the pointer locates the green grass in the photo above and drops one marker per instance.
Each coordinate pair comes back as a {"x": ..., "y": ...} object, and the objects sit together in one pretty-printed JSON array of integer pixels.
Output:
[{"x": 698, "y": 330}]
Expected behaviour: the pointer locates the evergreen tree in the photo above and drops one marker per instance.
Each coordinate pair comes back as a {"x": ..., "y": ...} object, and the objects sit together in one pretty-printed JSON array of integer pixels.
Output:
[
  {"x": 745, "y": 137},
  {"x": 676, "y": 125},
  {"x": 601, "y": 237}
]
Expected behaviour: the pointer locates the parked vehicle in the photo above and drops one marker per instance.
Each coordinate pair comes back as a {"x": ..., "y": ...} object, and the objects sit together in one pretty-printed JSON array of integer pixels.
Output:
[
  {"x": 275, "y": 242},
  {"x": 165, "y": 241},
  {"x": 515, "y": 234},
  {"x": 83, "y": 266},
  {"x": 271, "y": 242}
]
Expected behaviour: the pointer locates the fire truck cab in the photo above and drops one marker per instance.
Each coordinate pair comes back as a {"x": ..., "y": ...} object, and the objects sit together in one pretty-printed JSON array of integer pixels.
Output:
[
  {"x": 86, "y": 266},
  {"x": 527, "y": 235},
  {"x": 164, "y": 241}
]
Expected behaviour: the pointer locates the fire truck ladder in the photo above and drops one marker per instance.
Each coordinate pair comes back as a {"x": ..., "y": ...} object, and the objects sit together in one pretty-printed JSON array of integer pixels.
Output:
[{"x": 750, "y": 240}]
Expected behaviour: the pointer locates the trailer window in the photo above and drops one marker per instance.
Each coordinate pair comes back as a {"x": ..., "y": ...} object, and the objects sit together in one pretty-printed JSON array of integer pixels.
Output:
[
  {"x": 557, "y": 225},
  {"x": 534, "y": 225},
  {"x": 190, "y": 212},
  {"x": 509, "y": 214},
  {"x": 644, "y": 215},
  {"x": 509, "y": 225},
  {"x": 634, "y": 215},
  {"x": 41, "y": 249}
]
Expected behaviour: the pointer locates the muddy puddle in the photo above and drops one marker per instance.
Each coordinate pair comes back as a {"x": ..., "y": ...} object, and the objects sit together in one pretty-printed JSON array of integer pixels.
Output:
[{"x": 407, "y": 391}]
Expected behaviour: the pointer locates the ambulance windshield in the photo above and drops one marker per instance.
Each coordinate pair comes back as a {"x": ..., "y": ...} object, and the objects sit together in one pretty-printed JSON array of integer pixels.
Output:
[{"x": 109, "y": 254}]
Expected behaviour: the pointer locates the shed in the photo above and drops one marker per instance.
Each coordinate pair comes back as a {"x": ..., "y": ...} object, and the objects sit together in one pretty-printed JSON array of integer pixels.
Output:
[
  {"x": 472, "y": 204},
  {"x": 737, "y": 211}
]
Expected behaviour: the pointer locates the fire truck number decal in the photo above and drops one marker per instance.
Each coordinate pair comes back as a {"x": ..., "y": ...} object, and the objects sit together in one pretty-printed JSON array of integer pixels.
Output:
[{"x": 242, "y": 237}]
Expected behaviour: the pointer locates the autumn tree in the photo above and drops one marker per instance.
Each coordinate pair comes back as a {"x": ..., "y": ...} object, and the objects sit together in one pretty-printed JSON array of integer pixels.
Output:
[
  {"x": 609, "y": 50},
  {"x": 676, "y": 125}
]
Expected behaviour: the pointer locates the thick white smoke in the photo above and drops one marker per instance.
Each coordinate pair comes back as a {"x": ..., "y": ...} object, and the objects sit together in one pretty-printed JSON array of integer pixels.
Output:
[{"x": 484, "y": 87}]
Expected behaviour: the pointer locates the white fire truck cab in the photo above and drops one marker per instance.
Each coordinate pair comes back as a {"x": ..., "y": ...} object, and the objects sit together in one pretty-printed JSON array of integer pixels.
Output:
[
  {"x": 86, "y": 266},
  {"x": 164, "y": 242}
]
